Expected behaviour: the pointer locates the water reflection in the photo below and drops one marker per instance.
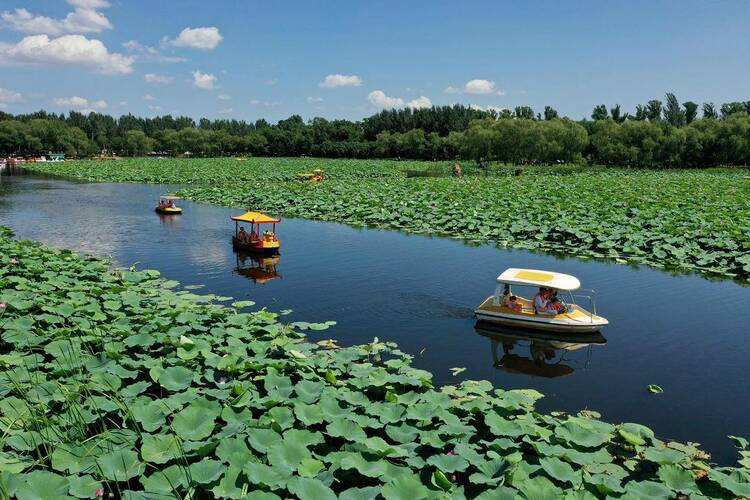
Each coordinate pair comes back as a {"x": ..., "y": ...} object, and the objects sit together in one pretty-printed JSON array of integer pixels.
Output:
[
  {"x": 261, "y": 269},
  {"x": 547, "y": 352}
]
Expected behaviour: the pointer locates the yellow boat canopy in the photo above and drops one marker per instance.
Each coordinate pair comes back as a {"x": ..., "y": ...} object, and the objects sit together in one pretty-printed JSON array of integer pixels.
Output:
[
  {"x": 535, "y": 277},
  {"x": 255, "y": 218},
  {"x": 168, "y": 197}
]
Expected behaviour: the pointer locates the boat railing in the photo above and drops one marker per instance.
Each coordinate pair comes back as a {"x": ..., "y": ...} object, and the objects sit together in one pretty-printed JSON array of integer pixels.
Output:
[{"x": 590, "y": 296}]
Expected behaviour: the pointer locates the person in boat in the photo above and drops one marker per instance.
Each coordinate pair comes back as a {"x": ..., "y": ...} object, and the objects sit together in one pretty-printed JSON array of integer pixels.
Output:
[
  {"x": 242, "y": 235},
  {"x": 542, "y": 302},
  {"x": 511, "y": 302}
]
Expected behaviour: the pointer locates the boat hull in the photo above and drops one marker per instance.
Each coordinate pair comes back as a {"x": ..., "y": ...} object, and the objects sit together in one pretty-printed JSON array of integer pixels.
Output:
[
  {"x": 580, "y": 321},
  {"x": 168, "y": 211},
  {"x": 255, "y": 247}
]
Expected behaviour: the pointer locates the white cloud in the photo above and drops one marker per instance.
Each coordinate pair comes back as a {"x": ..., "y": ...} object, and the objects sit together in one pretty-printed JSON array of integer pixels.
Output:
[
  {"x": 80, "y": 103},
  {"x": 378, "y": 99},
  {"x": 256, "y": 102},
  {"x": 8, "y": 96},
  {"x": 480, "y": 87},
  {"x": 70, "y": 50},
  {"x": 496, "y": 109},
  {"x": 338, "y": 80},
  {"x": 89, "y": 4},
  {"x": 419, "y": 102},
  {"x": 154, "y": 108},
  {"x": 314, "y": 99},
  {"x": 154, "y": 78},
  {"x": 226, "y": 111},
  {"x": 123, "y": 103},
  {"x": 205, "y": 81},
  {"x": 149, "y": 97},
  {"x": 451, "y": 90},
  {"x": 223, "y": 97},
  {"x": 198, "y": 38},
  {"x": 272, "y": 81},
  {"x": 84, "y": 19},
  {"x": 147, "y": 53}
]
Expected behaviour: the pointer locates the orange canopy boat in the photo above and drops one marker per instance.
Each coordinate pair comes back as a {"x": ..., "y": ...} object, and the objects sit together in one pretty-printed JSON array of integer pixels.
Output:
[{"x": 254, "y": 240}]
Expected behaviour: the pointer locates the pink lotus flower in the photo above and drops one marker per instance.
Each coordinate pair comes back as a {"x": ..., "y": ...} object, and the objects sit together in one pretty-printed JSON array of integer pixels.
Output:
[
  {"x": 99, "y": 492},
  {"x": 3, "y": 305},
  {"x": 14, "y": 261}
]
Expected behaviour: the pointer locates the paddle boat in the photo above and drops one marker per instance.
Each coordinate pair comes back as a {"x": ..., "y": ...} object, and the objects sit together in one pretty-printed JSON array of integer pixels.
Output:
[
  {"x": 166, "y": 205},
  {"x": 547, "y": 351},
  {"x": 316, "y": 175},
  {"x": 255, "y": 241},
  {"x": 520, "y": 312}
]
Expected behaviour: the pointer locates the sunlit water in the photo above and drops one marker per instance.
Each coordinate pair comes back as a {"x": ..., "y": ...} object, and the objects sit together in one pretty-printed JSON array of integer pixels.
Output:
[{"x": 684, "y": 333}]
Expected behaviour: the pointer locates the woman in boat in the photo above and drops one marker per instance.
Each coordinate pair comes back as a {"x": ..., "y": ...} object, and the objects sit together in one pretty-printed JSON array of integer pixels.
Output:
[
  {"x": 543, "y": 303},
  {"x": 242, "y": 235}
]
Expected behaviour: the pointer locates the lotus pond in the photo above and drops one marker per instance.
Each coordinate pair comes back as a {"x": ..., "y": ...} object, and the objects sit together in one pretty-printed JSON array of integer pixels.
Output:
[
  {"x": 122, "y": 382},
  {"x": 696, "y": 220}
]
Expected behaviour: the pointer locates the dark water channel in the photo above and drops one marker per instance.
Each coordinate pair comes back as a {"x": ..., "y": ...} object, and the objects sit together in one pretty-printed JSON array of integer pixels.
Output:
[{"x": 684, "y": 333}]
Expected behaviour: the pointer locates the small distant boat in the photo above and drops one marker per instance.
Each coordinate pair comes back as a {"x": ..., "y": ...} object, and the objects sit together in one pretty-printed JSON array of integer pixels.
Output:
[
  {"x": 570, "y": 318},
  {"x": 166, "y": 205},
  {"x": 254, "y": 240}
]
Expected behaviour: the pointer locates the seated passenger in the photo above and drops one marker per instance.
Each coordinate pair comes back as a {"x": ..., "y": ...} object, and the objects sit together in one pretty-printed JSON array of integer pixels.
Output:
[
  {"x": 542, "y": 303},
  {"x": 242, "y": 235},
  {"x": 511, "y": 302}
]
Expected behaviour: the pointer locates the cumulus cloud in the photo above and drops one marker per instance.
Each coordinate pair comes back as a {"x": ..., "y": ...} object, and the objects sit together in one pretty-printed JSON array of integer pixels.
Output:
[
  {"x": 315, "y": 99},
  {"x": 149, "y": 97},
  {"x": 419, "y": 103},
  {"x": 69, "y": 50},
  {"x": 84, "y": 19},
  {"x": 205, "y": 81},
  {"x": 475, "y": 87},
  {"x": 148, "y": 53},
  {"x": 197, "y": 38},
  {"x": 8, "y": 96},
  {"x": 378, "y": 99},
  {"x": 154, "y": 78},
  {"x": 80, "y": 103},
  {"x": 496, "y": 109},
  {"x": 268, "y": 104},
  {"x": 338, "y": 80}
]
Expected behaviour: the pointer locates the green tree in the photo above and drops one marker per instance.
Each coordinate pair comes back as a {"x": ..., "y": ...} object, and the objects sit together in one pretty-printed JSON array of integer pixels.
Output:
[
  {"x": 691, "y": 111},
  {"x": 673, "y": 113},
  {"x": 550, "y": 113},
  {"x": 653, "y": 110},
  {"x": 709, "y": 110},
  {"x": 138, "y": 143},
  {"x": 599, "y": 113}
]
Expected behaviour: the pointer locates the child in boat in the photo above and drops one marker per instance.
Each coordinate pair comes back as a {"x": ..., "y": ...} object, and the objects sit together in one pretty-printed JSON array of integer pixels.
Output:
[{"x": 511, "y": 302}]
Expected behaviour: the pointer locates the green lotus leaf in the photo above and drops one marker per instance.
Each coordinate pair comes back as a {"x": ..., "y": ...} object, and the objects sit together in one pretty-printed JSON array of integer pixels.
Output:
[
  {"x": 310, "y": 467},
  {"x": 83, "y": 486},
  {"x": 562, "y": 471},
  {"x": 230, "y": 485},
  {"x": 170, "y": 480},
  {"x": 490, "y": 472},
  {"x": 310, "y": 489},
  {"x": 648, "y": 490},
  {"x": 175, "y": 378},
  {"x": 538, "y": 488},
  {"x": 448, "y": 463},
  {"x": 374, "y": 467},
  {"x": 635, "y": 434},
  {"x": 235, "y": 451},
  {"x": 42, "y": 485},
  {"x": 120, "y": 465},
  {"x": 160, "y": 448},
  {"x": 194, "y": 422},
  {"x": 263, "y": 474},
  {"x": 206, "y": 471},
  {"x": 367, "y": 493},
  {"x": 574, "y": 433},
  {"x": 405, "y": 487},
  {"x": 678, "y": 479},
  {"x": 346, "y": 429},
  {"x": 74, "y": 459},
  {"x": 150, "y": 415},
  {"x": 263, "y": 439}
]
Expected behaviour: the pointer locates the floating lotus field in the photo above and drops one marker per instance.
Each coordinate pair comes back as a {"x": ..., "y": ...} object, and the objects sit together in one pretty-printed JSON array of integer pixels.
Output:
[
  {"x": 121, "y": 383},
  {"x": 697, "y": 220}
]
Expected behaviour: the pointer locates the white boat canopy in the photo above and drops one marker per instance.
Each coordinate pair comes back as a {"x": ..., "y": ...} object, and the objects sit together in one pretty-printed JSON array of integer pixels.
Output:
[{"x": 535, "y": 277}]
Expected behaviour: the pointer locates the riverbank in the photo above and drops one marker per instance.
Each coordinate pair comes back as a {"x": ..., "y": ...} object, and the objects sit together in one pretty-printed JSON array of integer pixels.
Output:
[
  {"x": 687, "y": 220},
  {"x": 120, "y": 380}
]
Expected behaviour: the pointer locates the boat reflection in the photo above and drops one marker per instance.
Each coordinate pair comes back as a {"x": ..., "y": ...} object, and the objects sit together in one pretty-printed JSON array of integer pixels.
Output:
[
  {"x": 547, "y": 352},
  {"x": 259, "y": 268}
]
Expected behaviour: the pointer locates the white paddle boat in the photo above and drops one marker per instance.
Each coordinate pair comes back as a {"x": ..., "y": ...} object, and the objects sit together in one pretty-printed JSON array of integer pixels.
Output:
[{"x": 505, "y": 308}]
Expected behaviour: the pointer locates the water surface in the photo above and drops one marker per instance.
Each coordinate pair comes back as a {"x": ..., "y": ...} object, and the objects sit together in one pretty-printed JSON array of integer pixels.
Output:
[{"x": 685, "y": 333}]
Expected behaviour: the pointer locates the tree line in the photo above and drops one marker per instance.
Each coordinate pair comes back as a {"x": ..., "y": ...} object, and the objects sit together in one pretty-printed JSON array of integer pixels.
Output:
[{"x": 657, "y": 133}]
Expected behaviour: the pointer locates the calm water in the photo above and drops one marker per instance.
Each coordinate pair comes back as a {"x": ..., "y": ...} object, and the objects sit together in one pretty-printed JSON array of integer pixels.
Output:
[{"x": 685, "y": 333}]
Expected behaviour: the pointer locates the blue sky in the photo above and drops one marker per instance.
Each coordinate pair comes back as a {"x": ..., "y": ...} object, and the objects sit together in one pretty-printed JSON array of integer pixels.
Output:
[{"x": 250, "y": 59}]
